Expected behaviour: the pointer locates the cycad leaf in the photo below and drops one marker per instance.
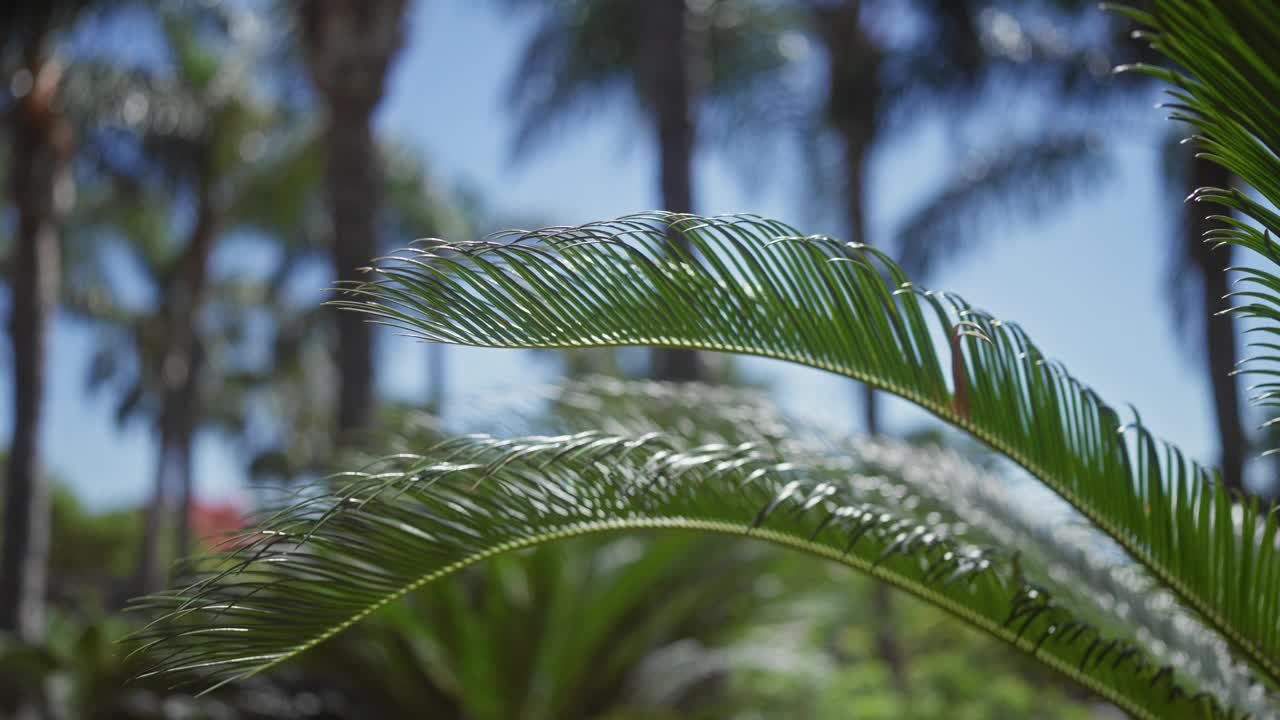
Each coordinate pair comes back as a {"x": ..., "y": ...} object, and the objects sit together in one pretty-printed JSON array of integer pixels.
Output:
[
  {"x": 1076, "y": 562},
  {"x": 1228, "y": 55},
  {"x": 760, "y": 288},
  {"x": 325, "y": 563}
]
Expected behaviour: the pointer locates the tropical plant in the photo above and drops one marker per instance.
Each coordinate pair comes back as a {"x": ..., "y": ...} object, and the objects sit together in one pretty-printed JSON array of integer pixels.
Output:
[
  {"x": 1165, "y": 605},
  {"x": 562, "y": 631}
]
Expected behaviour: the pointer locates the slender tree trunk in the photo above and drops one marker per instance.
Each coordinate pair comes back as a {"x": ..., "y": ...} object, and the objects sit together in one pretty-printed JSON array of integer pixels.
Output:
[
  {"x": 181, "y": 370},
  {"x": 1220, "y": 336},
  {"x": 349, "y": 48},
  {"x": 852, "y": 109},
  {"x": 184, "y": 472},
  {"x": 354, "y": 200},
  {"x": 190, "y": 410},
  {"x": 41, "y": 188},
  {"x": 150, "y": 563},
  {"x": 670, "y": 79},
  {"x": 191, "y": 293},
  {"x": 886, "y": 638}
]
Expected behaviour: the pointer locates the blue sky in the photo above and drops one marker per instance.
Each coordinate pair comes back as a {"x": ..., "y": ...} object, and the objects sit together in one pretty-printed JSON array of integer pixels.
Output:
[{"x": 1086, "y": 283}]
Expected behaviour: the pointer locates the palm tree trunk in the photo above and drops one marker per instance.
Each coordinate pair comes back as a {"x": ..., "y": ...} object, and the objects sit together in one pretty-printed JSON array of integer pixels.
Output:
[
  {"x": 852, "y": 110},
  {"x": 669, "y": 81},
  {"x": 150, "y": 569},
  {"x": 188, "y": 297},
  {"x": 349, "y": 48},
  {"x": 40, "y": 184},
  {"x": 180, "y": 411},
  {"x": 354, "y": 198},
  {"x": 189, "y": 407},
  {"x": 1220, "y": 336},
  {"x": 186, "y": 491},
  {"x": 857, "y": 143},
  {"x": 178, "y": 422},
  {"x": 887, "y": 645}
]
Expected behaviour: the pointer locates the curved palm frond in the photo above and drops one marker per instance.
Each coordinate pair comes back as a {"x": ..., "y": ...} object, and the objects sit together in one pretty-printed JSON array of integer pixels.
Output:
[
  {"x": 760, "y": 288},
  {"x": 1226, "y": 88},
  {"x": 1074, "y": 561},
  {"x": 323, "y": 564}
]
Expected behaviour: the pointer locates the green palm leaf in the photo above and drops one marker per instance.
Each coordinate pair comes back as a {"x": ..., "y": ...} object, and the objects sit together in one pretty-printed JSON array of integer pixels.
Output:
[
  {"x": 323, "y": 564},
  {"x": 1226, "y": 89},
  {"x": 761, "y": 288},
  {"x": 1076, "y": 562}
]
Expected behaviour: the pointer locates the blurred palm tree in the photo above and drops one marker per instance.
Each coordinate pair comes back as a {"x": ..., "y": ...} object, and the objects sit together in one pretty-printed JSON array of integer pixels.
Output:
[
  {"x": 348, "y": 49},
  {"x": 296, "y": 381},
  {"x": 42, "y": 141},
  {"x": 201, "y": 130},
  {"x": 962, "y": 56},
  {"x": 670, "y": 60},
  {"x": 891, "y": 64}
]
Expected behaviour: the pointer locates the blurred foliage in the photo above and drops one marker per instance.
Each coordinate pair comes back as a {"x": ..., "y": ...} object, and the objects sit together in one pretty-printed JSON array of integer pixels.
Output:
[
  {"x": 953, "y": 673},
  {"x": 81, "y": 673},
  {"x": 92, "y": 545},
  {"x": 567, "y": 632},
  {"x": 91, "y": 553}
]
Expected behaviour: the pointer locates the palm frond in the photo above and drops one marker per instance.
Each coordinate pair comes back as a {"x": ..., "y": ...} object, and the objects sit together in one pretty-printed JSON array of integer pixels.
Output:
[
  {"x": 760, "y": 288},
  {"x": 322, "y": 564},
  {"x": 1226, "y": 87},
  {"x": 1055, "y": 547}
]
